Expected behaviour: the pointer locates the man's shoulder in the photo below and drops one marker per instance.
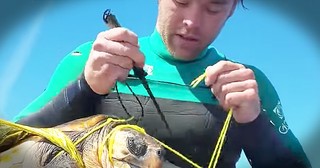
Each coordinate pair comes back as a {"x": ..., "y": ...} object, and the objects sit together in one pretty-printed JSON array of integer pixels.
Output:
[
  {"x": 265, "y": 86},
  {"x": 259, "y": 74},
  {"x": 84, "y": 46},
  {"x": 81, "y": 52},
  {"x": 214, "y": 55},
  {"x": 143, "y": 39}
]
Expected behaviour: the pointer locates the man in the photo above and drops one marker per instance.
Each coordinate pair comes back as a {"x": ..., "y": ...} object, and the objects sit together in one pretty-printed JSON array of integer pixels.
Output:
[{"x": 177, "y": 52}]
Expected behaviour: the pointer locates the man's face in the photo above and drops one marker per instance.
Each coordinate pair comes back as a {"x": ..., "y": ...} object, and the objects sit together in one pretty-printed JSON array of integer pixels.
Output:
[{"x": 189, "y": 26}]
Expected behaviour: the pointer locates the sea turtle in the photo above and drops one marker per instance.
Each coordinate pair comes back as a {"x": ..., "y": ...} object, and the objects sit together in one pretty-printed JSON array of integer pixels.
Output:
[{"x": 96, "y": 141}]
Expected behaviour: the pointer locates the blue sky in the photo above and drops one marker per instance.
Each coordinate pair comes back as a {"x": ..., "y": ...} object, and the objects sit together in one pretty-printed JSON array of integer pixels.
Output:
[{"x": 273, "y": 41}]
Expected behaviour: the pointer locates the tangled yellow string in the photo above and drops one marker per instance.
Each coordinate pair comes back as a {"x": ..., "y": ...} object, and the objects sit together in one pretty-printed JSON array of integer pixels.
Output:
[
  {"x": 54, "y": 136},
  {"x": 61, "y": 140},
  {"x": 217, "y": 150},
  {"x": 109, "y": 139}
]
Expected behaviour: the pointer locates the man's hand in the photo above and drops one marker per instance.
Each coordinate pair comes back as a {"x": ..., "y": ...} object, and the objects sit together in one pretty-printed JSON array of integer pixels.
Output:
[
  {"x": 235, "y": 87},
  {"x": 113, "y": 54}
]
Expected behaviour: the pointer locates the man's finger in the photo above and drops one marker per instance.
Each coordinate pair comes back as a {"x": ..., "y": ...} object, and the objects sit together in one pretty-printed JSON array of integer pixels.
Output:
[
  {"x": 237, "y": 87},
  {"x": 121, "y": 49},
  {"x": 122, "y": 35},
  {"x": 212, "y": 72},
  {"x": 101, "y": 58},
  {"x": 235, "y": 76},
  {"x": 235, "y": 99}
]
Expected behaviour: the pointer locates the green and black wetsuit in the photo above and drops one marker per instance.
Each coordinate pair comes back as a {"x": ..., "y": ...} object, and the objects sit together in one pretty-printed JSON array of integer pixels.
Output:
[{"x": 193, "y": 114}]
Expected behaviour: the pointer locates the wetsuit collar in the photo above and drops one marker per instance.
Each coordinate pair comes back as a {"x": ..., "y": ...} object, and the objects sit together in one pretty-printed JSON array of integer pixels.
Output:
[{"x": 160, "y": 49}]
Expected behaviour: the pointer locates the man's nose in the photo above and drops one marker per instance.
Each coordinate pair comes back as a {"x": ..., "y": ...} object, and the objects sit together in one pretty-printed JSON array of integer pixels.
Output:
[{"x": 192, "y": 19}]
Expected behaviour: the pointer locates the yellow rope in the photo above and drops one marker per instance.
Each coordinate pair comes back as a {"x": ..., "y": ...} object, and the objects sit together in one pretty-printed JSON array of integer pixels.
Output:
[
  {"x": 53, "y": 135},
  {"x": 94, "y": 130},
  {"x": 218, "y": 147},
  {"x": 61, "y": 140},
  {"x": 109, "y": 139},
  {"x": 178, "y": 154},
  {"x": 217, "y": 151},
  {"x": 195, "y": 82}
]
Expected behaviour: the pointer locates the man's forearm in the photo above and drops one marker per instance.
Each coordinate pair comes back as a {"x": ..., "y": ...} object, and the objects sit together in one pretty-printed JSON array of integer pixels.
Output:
[
  {"x": 73, "y": 102},
  {"x": 265, "y": 147}
]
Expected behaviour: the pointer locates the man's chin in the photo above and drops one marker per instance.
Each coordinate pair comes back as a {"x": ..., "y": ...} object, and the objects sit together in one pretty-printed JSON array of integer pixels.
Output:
[
  {"x": 185, "y": 56},
  {"x": 186, "y": 53}
]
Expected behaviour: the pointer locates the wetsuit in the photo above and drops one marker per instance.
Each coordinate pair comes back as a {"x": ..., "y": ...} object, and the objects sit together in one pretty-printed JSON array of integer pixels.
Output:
[{"x": 193, "y": 114}]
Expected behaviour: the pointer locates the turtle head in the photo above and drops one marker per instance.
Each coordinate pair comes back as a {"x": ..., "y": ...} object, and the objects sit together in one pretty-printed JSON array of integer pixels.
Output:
[{"x": 135, "y": 149}]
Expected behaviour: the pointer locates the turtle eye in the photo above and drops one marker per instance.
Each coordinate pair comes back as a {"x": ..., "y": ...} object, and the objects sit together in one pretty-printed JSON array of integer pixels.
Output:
[{"x": 136, "y": 146}]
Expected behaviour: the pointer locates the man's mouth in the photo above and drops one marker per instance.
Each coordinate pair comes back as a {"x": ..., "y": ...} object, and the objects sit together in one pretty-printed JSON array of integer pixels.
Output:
[{"x": 188, "y": 37}]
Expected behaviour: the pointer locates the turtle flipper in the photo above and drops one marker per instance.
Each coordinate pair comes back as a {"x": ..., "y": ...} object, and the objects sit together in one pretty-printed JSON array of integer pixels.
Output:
[{"x": 10, "y": 136}]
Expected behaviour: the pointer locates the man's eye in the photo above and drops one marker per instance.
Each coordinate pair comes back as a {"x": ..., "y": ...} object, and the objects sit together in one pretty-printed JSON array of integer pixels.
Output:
[
  {"x": 210, "y": 10},
  {"x": 213, "y": 8},
  {"x": 181, "y": 2}
]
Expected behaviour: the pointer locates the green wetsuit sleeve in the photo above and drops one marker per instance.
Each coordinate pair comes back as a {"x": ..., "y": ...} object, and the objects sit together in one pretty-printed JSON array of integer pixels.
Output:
[
  {"x": 269, "y": 141},
  {"x": 68, "y": 70}
]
